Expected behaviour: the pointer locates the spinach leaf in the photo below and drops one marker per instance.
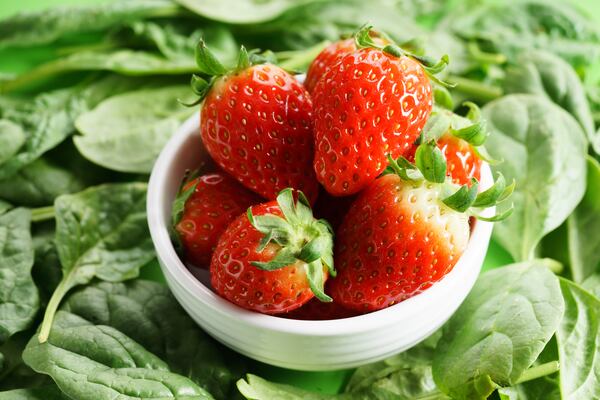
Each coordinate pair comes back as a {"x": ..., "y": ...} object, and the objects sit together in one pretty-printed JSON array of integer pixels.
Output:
[
  {"x": 46, "y": 271},
  {"x": 499, "y": 331},
  {"x": 512, "y": 27},
  {"x": 541, "y": 72},
  {"x": 98, "y": 362},
  {"x": 100, "y": 233},
  {"x": 578, "y": 339},
  {"x": 38, "y": 184},
  {"x": 546, "y": 387},
  {"x": 12, "y": 138},
  {"x": 582, "y": 228},
  {"x": 179, "y": 38},
  {"x": 592, "y": 284},
  {"x": 405, "y": 376},
  {"x": 42, "y": 393},
  {"x": 19, "y": 300},
  {"x": 127, "y": 132},
  {"x": 241, "y": 12},
  {"x": 256, "y": 388},
  {"x": 45, "y": 26},
  {"x": 543, "y": 148},
  {"x": 147, "y": 312},
  {"x": 315, "y": 22},
  {"x": 49, "y": 118},
  {"x": 4, "y": 206},
  {"x": 14, "y": 373},
  {"x": 122, "y": 61},
  {"x": 46, "y": 121}
]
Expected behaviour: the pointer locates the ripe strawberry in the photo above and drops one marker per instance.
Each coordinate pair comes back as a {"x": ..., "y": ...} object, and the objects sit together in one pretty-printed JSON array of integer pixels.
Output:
[
  {"x": 326, "y": 60},
  {"x": 459, "y": 139},
  {"x": 463, "y": 162},
  {"x": 274, "y": 259},
  {"x": 373, "y": 102},
  {"x": 211, "y": 203},
  {"x": 404, "y": 233},
  {"x": 256, "y": 123}
]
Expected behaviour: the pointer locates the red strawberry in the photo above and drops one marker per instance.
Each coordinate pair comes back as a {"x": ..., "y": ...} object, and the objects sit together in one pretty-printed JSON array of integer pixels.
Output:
[
  {"x": 403, "y": 234},
  {"x": 256, "y": 123},
  {"x": 213, "y": 201},
  {"x": 373, "y": 102},
  {"x": 316, "y": 310},
  {"x": 463, "y": 162},
  {"x": 327, "y": 59},
  {"x": 459, "y": 139},
  {"x": 274, "y": 259}
]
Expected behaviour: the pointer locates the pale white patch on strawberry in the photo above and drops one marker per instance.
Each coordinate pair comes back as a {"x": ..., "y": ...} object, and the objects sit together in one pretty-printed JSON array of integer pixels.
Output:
[{"x": 424, "y": 203}]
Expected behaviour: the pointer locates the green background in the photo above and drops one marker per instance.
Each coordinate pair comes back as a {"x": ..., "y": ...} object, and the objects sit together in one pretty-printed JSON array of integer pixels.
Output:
[{"x": 17, "y": 60}]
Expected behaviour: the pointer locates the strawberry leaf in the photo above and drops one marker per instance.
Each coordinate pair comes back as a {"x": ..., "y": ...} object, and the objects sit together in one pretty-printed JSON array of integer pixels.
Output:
[
  {"x": 430, "y": 160},
  {"x": 207, "y": 62},
  {"x": 463, "y": 198}
]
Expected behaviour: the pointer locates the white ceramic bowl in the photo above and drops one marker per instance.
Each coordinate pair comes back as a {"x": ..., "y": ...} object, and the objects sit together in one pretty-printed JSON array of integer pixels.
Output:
[{"x": 302, "y": 345}]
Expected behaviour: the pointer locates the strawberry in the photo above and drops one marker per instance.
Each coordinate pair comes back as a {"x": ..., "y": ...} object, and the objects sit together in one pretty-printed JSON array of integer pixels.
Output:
[
  {"x": 211, "y": 202},
  {"x": 256, "y": 123},
  {"x": 326, "y": 60},
  {"x": 404, "y": 232},
  {"x": 460, "y": 140},
  {"x": 373, "y": 102},
  {"x": 275, "y": 258}
]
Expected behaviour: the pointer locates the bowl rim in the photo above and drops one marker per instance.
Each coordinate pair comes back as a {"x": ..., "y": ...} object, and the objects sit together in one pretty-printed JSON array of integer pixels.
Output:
[{"x": 166, "y": 253}]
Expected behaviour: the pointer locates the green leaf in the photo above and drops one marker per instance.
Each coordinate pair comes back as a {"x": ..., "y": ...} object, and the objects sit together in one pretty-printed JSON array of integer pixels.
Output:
[
  {"x": 316, "y": 280},
  {"x": 41, "y": 27},
  {"x": 543, "y": 149},
  {"x": 207, "y": 62},
  {"x": 122, "y": 61},
  {"x": 499, "y": 331},
  {"x": 39, "y": 183},
  {"x": 235, "y": 12},
  {"x": 100, "y": 233},
  {"x": 19, "y": 300},
  {"x": 148, "y": 313},
  {"x": 12, "y": 138},
  {"x": 463, "y": 198},
  {"x": 578, "y": 339},
  {"x": 430, "y": 160},
  {"x": 582, "y": 228},
  {"x": 543, "y": 73},
  {"x": 256, "y": 388},
  {"x": 48, "y": 119},
  {"x": 98, "y": 362},
  {"x": 127, "y": 132}
]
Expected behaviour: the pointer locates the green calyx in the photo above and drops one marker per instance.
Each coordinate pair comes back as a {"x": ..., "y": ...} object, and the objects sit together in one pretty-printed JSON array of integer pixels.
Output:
[
  {"x": 183, "y": 194},
  {"x": 430, "y": 165},
  {"x": 210, "y": 68},
  {"x": 299, "y": 237},
  {"x": 365, "y": 38}
]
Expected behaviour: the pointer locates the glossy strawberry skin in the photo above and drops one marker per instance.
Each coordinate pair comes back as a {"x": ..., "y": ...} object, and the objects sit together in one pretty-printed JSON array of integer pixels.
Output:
[
  {"x": 369, "y": 105},
  {"x": 257, "y": 125},
  {"x": 236, "y": 279},
  {"x": 217, "y": 200},
  {"x": 326, "y": 60},
  {"x": 461, "y": 159},
  {"x": 396, "y": 241}
]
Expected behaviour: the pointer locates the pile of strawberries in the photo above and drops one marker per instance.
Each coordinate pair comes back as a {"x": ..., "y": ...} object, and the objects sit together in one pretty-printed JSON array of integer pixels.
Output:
[{"x": 392, "y": 183}]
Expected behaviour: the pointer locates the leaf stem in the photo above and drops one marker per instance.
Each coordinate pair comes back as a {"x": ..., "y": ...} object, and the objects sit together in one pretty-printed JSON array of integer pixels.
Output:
[
  {"x": 475, "y": 89},
  {"x": 61, "y": 290},
  {"x": 42, "y": 214},
  {"x": 539, "y": 371}
]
